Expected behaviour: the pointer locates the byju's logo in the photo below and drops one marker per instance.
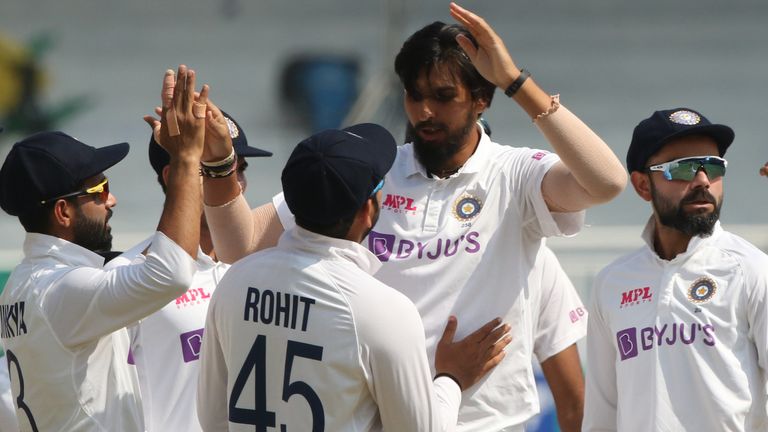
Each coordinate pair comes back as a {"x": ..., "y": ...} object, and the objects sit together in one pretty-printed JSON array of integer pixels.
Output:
[
  {"x": 636, "y": 296},
  {"x": 190, "y": 345},
  {"x": 399, "y": 204},
  {"x": 629, "y": 343},
  {"x": 388, "y": 247}
]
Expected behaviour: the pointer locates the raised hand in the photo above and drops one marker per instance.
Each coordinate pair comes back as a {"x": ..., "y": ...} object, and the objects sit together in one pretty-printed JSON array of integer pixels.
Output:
[
  {"x": 218, "y": 140},
  {"x": 490, "y": 56},
  {"x": 471, "y": 358}
]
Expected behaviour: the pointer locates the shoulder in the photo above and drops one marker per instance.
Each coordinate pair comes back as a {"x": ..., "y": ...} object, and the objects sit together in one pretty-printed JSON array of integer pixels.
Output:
[
  {"x": 621, "y": 268},
  {"x": 750, "y": 258}
]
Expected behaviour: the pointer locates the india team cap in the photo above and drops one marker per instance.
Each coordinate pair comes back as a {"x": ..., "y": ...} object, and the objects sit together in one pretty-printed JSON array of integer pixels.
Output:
[
  {"x": 49, "y": 164},
  {"x": 653, "y": 133},
  {"x": 159, "y": 158},
  {"x": 331, "y": 174}
]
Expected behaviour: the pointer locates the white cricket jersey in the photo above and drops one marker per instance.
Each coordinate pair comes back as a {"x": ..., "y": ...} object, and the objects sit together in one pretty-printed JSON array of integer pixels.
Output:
[
  {"x": 8, "y": 421},
  {"x": 165, "y": 347},
  {"x": 681, "y": 344},
  {"x": 63, "y": 327},
  {"x": 302, "y": 336},
  {"x": 464, "y": 246},
  {"x": 559, "y": 316}
]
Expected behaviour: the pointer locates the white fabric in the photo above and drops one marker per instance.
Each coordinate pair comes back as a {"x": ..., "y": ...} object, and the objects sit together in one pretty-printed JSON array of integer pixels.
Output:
[
  {"x": 561, "y": 318},
  {"x": 478, "y": 267},
  {"x": 8, "y": 421},
  {"x": 310, "y": 293},
  {"x": 659, "y": 361},
  {"x": 66, "y": 331},
  {"x": 165, "y": 347}
]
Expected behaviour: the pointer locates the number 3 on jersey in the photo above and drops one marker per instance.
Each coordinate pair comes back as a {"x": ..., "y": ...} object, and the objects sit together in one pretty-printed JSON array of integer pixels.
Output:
[{"x": 256, "y": 361}]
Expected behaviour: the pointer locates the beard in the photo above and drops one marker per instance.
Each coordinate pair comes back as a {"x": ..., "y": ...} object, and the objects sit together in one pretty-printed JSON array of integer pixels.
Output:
[
  {"x": 692, "y": 224},
  {"x": 433, "y": 155},
  {"x": 92, "y": 234}
]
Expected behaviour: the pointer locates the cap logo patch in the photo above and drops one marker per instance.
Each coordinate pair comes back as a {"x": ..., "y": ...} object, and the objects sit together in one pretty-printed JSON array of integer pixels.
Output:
[
  {"x": 233, "y": 132},
  {"x": 684, "y": 117},
  {"x": 466, "y": 207},
  {"x": 702, "y": 290}
]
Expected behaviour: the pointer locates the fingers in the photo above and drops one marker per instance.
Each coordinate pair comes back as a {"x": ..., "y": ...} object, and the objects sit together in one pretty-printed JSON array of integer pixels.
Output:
[
  {"x": 467, "y": 46},
  {"x": 189, "y": 91},
  {"x": 151, "y": 121},
  {"x": 450, "y": 330},
  {"x": 166, "y": 94},
  {"x": 493, "y": 362},
  {"x": 181, "y": 84},
  {"x": 199, "y": 106},
  {"x": 476, "y": 25},
  {"x": 495, "y": 335},
  {"x": 481, "y": 333}
]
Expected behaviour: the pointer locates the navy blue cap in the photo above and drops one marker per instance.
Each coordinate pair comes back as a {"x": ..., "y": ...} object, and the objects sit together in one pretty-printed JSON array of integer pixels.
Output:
[
  {"x": 331, "y": 174},
  {"x": 663, "y": 126},
  {"x": 159, "y": 158},
  {"x": 48, "y": 164}
]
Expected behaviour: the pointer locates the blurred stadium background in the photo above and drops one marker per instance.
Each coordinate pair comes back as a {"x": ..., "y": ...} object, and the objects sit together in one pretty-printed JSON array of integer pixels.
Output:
[{"x": 285, "y": 68}]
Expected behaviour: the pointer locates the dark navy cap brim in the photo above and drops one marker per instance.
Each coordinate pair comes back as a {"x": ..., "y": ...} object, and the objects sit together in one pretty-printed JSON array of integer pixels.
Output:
[
  {"x": 107, "y": 157},
  {"x": 248, "y": 151},
  {"x": 722, "y": 134}
]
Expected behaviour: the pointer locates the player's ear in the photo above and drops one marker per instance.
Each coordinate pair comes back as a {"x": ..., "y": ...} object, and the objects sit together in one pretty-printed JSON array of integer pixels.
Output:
[
  {"x": 62, "y": 214},
  {"x": 642, "y": 184}
]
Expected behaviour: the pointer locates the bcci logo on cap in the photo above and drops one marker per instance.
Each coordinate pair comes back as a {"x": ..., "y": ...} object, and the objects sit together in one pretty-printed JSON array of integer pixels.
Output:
[{"x": 685, "y": 117}]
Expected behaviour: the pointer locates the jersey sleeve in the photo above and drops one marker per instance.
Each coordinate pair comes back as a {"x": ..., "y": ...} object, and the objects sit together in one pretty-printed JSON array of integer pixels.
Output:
[
  {"x": 212, "y": 409},
  {"x": 562, "y": 318},
  {"x": 527, "y": 168},
  {"x": 600, "y": 409},
  {"x": 395, "y": 359},
  {"x": 757, "y": 313},
  {"x": 87, "y": 303}
]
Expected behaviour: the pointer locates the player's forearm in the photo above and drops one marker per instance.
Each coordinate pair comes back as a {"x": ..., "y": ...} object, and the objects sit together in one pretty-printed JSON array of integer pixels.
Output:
[
  {"x": 592, "y": 164},
  {"x": 182, "y": 208},
  {"x": 237, "y": 231}
]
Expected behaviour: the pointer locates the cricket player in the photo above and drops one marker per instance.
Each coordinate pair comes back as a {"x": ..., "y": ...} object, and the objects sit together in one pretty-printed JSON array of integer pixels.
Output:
[
  {"x": 678, "y": 333},
  {"x": 302, "y": 337},
  {"x": 63, "y": 316},
  {"x": 165, "y": 346},
  {"x": 463, "y": 218}
]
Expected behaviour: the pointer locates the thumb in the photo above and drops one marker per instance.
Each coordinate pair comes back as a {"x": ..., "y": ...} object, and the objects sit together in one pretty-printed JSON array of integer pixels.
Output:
[{"x": 450, "y": 330}]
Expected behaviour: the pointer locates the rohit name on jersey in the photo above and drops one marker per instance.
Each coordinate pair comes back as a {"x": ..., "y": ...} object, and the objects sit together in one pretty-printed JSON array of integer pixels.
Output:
[
  {"x": 273, "y": 307},
  {"x": 12, "y": 320}
]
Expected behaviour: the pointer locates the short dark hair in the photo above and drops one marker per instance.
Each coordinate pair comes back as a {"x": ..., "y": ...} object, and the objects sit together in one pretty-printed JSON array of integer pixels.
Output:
[
  {"x": 37, "y": 220},
  {"x": 436, "y": 44}
]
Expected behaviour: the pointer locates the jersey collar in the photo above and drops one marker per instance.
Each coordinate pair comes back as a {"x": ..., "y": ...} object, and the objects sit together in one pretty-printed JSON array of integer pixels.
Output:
[
  {"x": 695, "y": 243},
  {"x": 45, "y": 247},
  {"x": 331, "y": 248}
]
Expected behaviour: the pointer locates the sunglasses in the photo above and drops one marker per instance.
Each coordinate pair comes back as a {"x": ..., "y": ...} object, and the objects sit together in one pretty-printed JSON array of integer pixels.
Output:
[
  {"x": 102, "y": 189},
  {"x": 686, "y": 168},
  {"x": 378, "y": 187}
]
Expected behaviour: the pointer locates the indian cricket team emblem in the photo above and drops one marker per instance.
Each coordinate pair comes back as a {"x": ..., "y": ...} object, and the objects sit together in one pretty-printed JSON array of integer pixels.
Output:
[
  {"x": 233, "y": 132},
  {"x": 466, "y": 207},
  {"x": 702, "y": 290},
  {"x": 684, "y": 117}
]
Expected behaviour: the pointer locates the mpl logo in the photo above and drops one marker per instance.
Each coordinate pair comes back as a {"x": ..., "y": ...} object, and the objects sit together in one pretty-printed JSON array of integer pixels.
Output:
[
  {"x": 398, "y": 204},
  {"x": 577, "y": 314},
  {"x": 635, "y": 297},
  {"x": 193, "y": 296}
]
